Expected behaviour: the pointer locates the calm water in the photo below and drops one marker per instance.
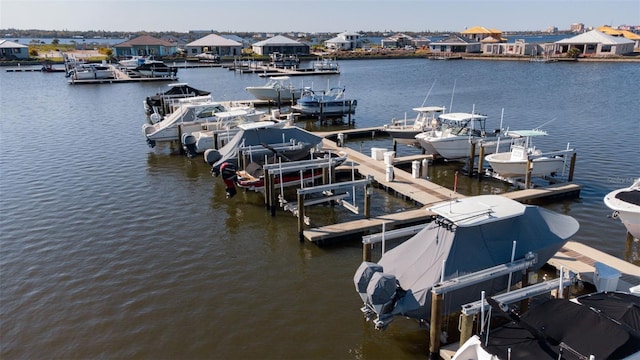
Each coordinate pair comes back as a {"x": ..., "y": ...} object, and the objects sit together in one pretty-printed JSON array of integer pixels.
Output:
[{"x": 109, "y": 249}]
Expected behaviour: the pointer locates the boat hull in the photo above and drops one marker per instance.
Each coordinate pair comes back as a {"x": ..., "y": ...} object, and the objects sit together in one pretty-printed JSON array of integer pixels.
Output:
[
  {"x": 459, "y": 147},
  {"x": 272, "y": 94},
  {"x": 504, "y": 166},
  {"x": 626, "y": 211},
  {"x": 341, "y": 107}
]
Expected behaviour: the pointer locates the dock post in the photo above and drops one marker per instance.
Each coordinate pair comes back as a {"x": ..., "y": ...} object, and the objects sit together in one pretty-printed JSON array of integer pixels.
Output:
[
  {"x": 395, "y": 145},
  {"x": 272, "y": 192},
  {"x": 524, "y": 303},
  {"x": 434, "y": 330},
  {"x": 366, "y": 252},
  {"x": 572, "y": 167},
  {"x": 267, "y": 188},
  {"x": 215, "y": 141},
  {"x": 472, "y": 159},
  {"x": 367, "y": 202},
  {"x": 527, "y": 177},
  {"x": 466, "y": 328},
  {"x": 480, "y": 159},
  {"x": 301, "y": 217}
]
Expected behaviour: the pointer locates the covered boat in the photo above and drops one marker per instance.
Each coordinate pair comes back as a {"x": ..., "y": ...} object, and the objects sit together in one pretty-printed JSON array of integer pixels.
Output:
[
  {"x": 163, "y": 103},
  {"x": 465, "y": 236},
  {"x": 259, "y": 145}
]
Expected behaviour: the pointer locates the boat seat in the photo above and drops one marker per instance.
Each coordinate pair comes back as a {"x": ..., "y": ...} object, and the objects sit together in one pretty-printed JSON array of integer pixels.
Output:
[{"x": 254, "y": 169}]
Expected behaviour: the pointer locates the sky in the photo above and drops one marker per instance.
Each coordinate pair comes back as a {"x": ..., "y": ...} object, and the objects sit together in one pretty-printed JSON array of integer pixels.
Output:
[{"x": 313, "y": 15}]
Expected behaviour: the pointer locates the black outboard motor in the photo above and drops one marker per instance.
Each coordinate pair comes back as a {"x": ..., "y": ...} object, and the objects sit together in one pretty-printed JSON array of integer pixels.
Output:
[
  {"x": 189, "y": 145},
  {"x": 228, "y": 172}
]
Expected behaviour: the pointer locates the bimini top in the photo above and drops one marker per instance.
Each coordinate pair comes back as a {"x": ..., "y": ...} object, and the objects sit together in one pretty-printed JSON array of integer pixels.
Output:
[
  {"x": 430, "y": 109},
  {"x": 462, "y": 117},
  {"x": 478, "y": 210},
  {"x": 526, "y": 133}
]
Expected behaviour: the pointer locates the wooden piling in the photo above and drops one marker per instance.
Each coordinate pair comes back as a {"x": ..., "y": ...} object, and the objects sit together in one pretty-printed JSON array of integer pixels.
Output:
[
  {"x": 366, "y": 252},
  {"x": 436, "y": 322},
  {"x": 472, "y": 159},
  {"x": 267, "y": 188},
  {"x": 301, "y": 217},
  {"x": 572, "y": 167},
  {"x": 466, "y": 327},
  {"x": 527, "y": 177},
  {"x": 480, "y": 160}
]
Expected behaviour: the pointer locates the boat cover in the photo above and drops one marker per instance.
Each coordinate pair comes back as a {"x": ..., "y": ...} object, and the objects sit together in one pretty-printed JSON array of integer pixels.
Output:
[
  {"x": 586, "y": 329},
  {"x": 418, "y": 263},
  {"x": 262, "y": 136}
]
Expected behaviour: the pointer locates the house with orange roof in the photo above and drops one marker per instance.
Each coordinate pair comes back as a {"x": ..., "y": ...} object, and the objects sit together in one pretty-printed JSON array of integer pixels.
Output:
[
  {"x": 144, "y": 45},
  {"x": 484, "y": 35},
  {"x": 624, "y": 33}
]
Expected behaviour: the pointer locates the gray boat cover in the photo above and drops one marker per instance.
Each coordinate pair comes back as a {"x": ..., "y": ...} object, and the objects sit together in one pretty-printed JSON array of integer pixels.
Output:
[
  {"x": 259, "y": 136},
  {"x": 417, "y": 264}
]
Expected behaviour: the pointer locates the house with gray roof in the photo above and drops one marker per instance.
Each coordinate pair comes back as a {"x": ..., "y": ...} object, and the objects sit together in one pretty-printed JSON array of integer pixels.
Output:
[
  {"x": 13, "y": 50},
  {"x": 144, "y": 45},
  {"x": 214, "y": 44},
  {"x": 281, "y": 44},
  {"x": 596, "y": 43},
  {"x": 455, "y": 44}
]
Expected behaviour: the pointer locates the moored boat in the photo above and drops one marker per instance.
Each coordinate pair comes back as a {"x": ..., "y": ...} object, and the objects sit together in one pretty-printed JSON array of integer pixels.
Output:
[
  {"x": 277, "y": 88},
  {"x": 625, "y": 203},
  {"x": 329, "y": 103},
  {"x": 156, "y": 69},
  {"x": 162, "y": 103},
  {"x": 405, "y": 131},
  {"x": 91, "y": 72}
]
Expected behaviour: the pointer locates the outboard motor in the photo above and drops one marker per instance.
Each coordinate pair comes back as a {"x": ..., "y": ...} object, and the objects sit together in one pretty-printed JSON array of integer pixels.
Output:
[
  {"x": 189, "y": 145},
  {"x": 211, "y": 156},
  {"x": 382, "y": 295},
  {"x": 363, "y": 276},
  {"x": 228, "y": 172}
]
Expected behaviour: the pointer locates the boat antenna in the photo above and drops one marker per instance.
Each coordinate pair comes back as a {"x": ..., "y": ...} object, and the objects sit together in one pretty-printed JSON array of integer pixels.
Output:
[
  {"x": 452, "y": 92},
  {"x": 428, "y": 93},
  {"x": 540, "y": 126}
]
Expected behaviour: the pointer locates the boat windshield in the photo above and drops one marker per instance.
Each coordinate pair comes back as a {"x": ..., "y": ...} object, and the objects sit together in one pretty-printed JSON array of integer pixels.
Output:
[{"x": 209, "y": 111}]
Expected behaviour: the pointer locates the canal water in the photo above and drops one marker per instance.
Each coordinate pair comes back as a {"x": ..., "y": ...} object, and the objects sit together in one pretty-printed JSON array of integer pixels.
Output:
[{"x": 110, "y": 249}]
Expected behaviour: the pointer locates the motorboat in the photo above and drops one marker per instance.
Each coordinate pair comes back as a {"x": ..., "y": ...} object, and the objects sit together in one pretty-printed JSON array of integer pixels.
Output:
[
  {"x": 280, "y": 60},
  {"x": 209, "y": 57},
  {"x": 252, "y": 176},
  {"x": 326, "y": 64},
  {"x": 456, "y": 134},
  {"x": 513, "y": 163},
  {"x": 156, "y": 69},
  {"x": 190, "y": 117},
  {"x": 199, "y": 141},
  {"x": 258, "y": 145},
  {"x": 162, "y": 103},
  {"x": 625, "y": 203},
  {"x": 602, "y": 325},
  {"x": 276, "y": 89},
  {"x": 405, "y": 131},
  {"x": 133, "y": 62},
  {"x": 91, "y": 72},
  {"x": 465, "y": 235},
  {"x": 329, "y": 103}
]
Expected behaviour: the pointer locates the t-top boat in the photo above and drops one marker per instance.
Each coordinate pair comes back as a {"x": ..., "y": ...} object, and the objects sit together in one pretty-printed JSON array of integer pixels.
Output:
[
  {"x": 459, "y": 130},
  {"x": 328, "y": 103},
  {"x": 466, "y": 235},
  {"x": 405, "y": 131},
  {"x": 276, "y": 89},
  {"x": 513, "y": 163},
  {"x": 625, "y": 203},
  {"x": 162, "y": 103}
]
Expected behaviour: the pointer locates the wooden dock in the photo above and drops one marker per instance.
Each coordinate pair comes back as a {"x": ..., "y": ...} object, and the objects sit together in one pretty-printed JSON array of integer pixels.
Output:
[{"x": 421, "y": 191}]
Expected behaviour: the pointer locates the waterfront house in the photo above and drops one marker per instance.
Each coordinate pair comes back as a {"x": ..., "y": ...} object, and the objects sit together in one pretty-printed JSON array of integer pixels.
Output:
[
  {"x": 596, "y": 43},
  {"x": 519, "y": 47},
  {"x": 344, "y": 41},
  {"x": 483, "y": 35},
  {"x": 214, "y": 44},
  {"x": 281, "y": 44},
  {"x": 624, "y": 33},
  {"x": 396, "y": 41},
  {"x": 13, "y": 50},
  {"x": 455, "y": 44},
  {"x": 144, "y": 45}
]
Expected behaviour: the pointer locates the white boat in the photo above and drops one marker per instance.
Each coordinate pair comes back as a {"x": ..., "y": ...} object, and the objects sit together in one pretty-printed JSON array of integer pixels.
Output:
[
  {"x": 190, "y": 117},
  {"x": 467, "y": 235},
  {"x": 156, "y": 69},
  {"x": 625, "y": 203},
  {"x": 326, "y": 64},
  {"x": 91, "y": 72},
  {"x": 332, "y": 102},
  {"x": 132, "y": 62},
  {"x": 161, "y": 104},
  {"x": 513, "y": 163},
  {"x": 603, "y": 325},
  {"x": 457, "y": 132},
  {"x": 276, "y": 89},
  {"x": 405, "y": 131}
]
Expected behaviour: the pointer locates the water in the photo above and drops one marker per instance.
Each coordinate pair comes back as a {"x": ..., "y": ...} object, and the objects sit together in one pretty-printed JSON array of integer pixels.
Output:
[{"x": 109, "y": 249}]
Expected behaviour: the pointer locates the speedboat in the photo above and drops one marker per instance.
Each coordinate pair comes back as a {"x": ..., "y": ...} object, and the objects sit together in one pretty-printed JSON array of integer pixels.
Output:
[
  {"x": 258, "y": 145},
  {"x": 156, "y": 69},
  {"x": 275, "y": 90},
  {"x": 465, "y": 236},
  {"x": 328, "y": 103},
  {"x": 91, "y": 72},
  {"x": 190, "y": 117},
  {"x": 513, "y": 164},
  {"x": 405, "y": 131},
  {"x": 603, "y": 325},
  {"x": 161, "y": 104},
  {"x": 457, "y": 132},
  {"x": 625, "y": 203}
]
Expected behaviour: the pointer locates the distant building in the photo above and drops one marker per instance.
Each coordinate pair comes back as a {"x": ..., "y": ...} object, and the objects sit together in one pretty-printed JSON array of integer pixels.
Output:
[
  {"x": 280, "y": 44},
  {"x": 596, "y": 43},
  {"x": 455, "y": 44},
  {"x": 144, "y": 45},
  {"x": 13, "y": 50},
  {"x": 214, "y": 44},
  {"x": 344, "y": 41},
  {"x": 397, "y": 41},
  {"x": 519, "y": 47},
  {"x": 576, "y": 27},
  {"x": 551, "y": 29}
]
